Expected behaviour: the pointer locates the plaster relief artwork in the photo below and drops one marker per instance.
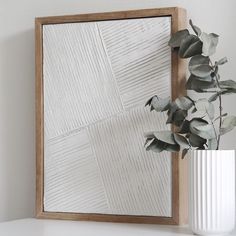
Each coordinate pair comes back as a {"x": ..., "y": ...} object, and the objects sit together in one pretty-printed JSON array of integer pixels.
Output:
[{"x": 97, "y": 77}]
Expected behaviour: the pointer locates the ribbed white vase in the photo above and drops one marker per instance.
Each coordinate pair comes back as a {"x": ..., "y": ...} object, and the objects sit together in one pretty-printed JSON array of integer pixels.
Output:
[{"x": 212, "y": 191}]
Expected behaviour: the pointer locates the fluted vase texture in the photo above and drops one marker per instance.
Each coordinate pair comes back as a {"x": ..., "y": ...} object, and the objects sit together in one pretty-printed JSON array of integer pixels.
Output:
[{"x": 212, "y": 191}]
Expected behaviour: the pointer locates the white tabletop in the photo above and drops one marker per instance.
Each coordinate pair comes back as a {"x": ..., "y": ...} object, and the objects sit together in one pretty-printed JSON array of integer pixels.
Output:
[{"x": 34, "y": 227}]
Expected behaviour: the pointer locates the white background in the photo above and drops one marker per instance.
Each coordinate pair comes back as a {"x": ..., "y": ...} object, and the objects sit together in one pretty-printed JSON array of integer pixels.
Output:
[{"x": 17, "y": 97}]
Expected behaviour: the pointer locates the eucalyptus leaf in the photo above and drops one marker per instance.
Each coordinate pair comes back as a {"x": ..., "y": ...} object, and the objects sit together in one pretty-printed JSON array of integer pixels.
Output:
[
  {"x": 196, "y": 122},
  {"x": 165, "y": 136},
  {"x": 158, "y": 104},
  {"x": 201, "y": 148},
  {"x": 149, "y": 135},
  {"x": 179, "y": 116},
  {"x": 204, "y": 79},
  {"x": 184, "y": 127},
  {"x": 199, "y": 85},
  {"x": 196, "y": 141},
  {"x": 184, "y": 152},
  {"x": 210, "y": 42},
  {"x": 176, "y": 38},
  {"x": 212, "y": 144},
  {"x": 222, "y": 92},
  {"x": 148, "y": 141},
  {"x": 205, "y": 106},
  {"x": 190, "y": 46},
  {"x": 222, "y": 61},
  {"x": 228, "y": 124},
  {"x": 228, "y": 91},
  {"x": 148, "y": 103},
  {"x": 172, "y": 148},
  {"x": 205, "y": 131},
  {"x": 182, "y": 141},
  {"x": 172, "y": 109},
  {"x": 196, "y": 29},
  {"x": 199, "y": 66},
  {"x": 201, "y": 128},
  {"x": 213, "y": 97},
  {"x": 184, "y": 103},
  {"x": 156, "y": 146},
  {"x": 231, "y": 84}
]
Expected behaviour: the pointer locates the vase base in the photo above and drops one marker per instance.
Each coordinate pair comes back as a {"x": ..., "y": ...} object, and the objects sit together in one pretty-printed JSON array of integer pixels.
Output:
[{"x": 212, "y": 233}]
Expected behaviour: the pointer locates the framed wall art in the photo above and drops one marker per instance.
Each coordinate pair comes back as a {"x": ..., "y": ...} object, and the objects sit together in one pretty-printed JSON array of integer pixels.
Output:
[{"x": 94, "y": 73}]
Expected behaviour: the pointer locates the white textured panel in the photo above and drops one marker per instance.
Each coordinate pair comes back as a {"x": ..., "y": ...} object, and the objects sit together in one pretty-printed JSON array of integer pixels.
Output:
[
  {"x": 79, "y": 87},
  {"x": 72, "y": 179},
  {"x": 137, "y": 182},
  {"x": 140, "y": 57},
  {"x": 212, "y": 191},
  {"x": 93, "y": 74}
]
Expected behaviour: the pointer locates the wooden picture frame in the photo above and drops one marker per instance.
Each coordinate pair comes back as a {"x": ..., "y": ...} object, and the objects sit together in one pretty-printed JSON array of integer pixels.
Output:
[{"x": 179, "y": 170}]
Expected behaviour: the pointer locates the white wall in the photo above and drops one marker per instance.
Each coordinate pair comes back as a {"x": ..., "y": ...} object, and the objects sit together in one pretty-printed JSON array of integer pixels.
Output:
[{"x": 17, "y": 109}]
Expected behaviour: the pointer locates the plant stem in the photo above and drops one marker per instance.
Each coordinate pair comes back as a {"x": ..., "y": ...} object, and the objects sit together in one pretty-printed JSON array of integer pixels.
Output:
[
  {"x": 221, "y": 112},
  {"x": 191, "y": 23},
  {"x": 220, "y": 103}
]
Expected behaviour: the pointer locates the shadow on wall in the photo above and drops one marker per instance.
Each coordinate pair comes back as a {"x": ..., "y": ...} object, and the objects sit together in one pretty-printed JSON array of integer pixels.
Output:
[{"x": 17, "y": 125}]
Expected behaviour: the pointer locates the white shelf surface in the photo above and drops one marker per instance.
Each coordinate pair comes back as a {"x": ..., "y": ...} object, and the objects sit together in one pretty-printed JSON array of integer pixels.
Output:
[{"x": 34, "y": 227}]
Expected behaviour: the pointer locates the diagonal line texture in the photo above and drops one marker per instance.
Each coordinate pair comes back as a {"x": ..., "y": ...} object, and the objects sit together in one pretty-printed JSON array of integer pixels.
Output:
[
  {"x": 140, "y": 57},
  {"x": 72, "y": 179},
  {"x": 137, "y": 182},
  {"x": 79, "y": 86}
]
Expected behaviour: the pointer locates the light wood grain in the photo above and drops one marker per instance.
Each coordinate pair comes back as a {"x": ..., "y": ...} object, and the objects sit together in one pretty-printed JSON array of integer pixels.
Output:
[
  {"x": 39, "y": 117},
  {"x": 179, "y": 178},
  {"x": 179, "y": 170}
]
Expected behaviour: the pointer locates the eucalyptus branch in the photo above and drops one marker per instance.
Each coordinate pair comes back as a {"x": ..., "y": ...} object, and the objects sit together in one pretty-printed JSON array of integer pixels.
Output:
[{"x": 200, "y": 132}]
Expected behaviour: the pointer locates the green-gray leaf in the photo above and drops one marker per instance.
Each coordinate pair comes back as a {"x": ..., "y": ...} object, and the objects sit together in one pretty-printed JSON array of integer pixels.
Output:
[
  {"x": 165, "y": 136},
  {"x": 222, "y": 92},
  {"x": 205, "y": 106},
  {"x": 212, "y": 144},
  {"x": 228, "y": 124},
  {"x": 179, "y": 116},
  {"x": 196, "y": 29},
  {"x": 158, "y": 104},
  {"x": 205, "y": 79},
  {"x": 205, "y": 131},
  {"x": 190, "y": 46},
  {"x": 222, "y": 61},
  {"x": 182, "y": 141},
  {"x": 172, "y": 109},
  {"x": 201, "y": 128},
  {"x": 156, "y": 146},
  {"x": 184, "y": 128},
  {"x": 184, "y": 103},
  {"x": 227, "y": 84},
  {"x": 176, "y": 38},
  {"x": 184, "y": 152},
  {"x": 148, "y": 141},
  {"x": 149, "y": 135},
  {"x": 172, "y": 148},
  {"x": 196, "y": 122},
  {"x": 199, "y": 66},
  {"x": 199, "y": 85},
  {"x": 196, "y": 141},
  {"x": 210, "y": 42},
  {"x": 213, "y": 97}
]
